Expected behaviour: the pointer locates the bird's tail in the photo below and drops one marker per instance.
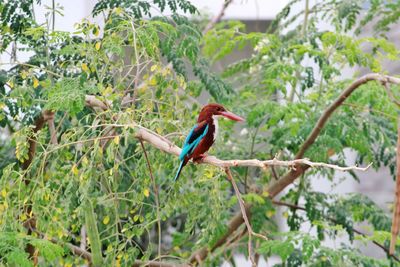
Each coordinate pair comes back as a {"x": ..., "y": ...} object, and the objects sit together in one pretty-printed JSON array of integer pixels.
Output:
[{"x": 183, "y": 163}]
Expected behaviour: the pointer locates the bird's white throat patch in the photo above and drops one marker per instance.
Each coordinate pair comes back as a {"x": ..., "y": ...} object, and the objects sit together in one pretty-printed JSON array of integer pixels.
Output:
[{"x": 215, "y": 122}]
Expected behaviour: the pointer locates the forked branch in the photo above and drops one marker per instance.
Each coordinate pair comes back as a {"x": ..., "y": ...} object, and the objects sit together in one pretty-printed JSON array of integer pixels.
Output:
[{"x": 243, "y": 210}]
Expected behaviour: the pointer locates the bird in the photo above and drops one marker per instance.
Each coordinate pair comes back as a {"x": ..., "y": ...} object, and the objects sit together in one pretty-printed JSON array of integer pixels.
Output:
[{"x": 202, "y": 136}]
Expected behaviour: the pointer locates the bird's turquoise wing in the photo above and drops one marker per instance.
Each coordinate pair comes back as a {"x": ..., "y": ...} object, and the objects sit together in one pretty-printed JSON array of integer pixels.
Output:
[{"x": 193, "y": 139}]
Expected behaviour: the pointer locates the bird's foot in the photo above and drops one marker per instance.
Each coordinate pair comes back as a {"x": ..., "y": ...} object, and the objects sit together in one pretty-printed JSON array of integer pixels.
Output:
[{"x": 199, "y": 158}]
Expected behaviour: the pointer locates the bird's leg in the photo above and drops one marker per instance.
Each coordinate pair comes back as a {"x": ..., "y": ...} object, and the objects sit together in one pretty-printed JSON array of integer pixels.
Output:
[{"x": 199, "y": 158}]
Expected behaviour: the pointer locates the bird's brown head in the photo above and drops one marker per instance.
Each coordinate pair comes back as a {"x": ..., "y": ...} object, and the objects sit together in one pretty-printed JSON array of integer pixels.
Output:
[{"x": 213, "y": 109}]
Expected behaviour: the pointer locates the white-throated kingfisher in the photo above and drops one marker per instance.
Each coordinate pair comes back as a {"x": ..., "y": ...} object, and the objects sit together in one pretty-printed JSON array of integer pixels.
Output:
[{"x": 203, "y": 134}]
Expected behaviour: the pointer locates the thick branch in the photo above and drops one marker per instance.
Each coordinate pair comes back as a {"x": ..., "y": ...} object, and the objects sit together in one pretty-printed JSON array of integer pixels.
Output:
[
  {"x": 338, "y": 102},
  {"x": 92, "y": 101},
  {"x": 233, "y": 225},
  {"x": 31, "y": 224},
  {"x": 293, "y": 174},
  {"x": 39, "y": 123},
  {"x": 49, "y": 117}
]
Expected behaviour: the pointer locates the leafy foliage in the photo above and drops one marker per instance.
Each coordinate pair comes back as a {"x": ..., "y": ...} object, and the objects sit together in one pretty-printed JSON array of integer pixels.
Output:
[
  {"x": 143, "y": 8},
  {"x": 154, "y": 71}
]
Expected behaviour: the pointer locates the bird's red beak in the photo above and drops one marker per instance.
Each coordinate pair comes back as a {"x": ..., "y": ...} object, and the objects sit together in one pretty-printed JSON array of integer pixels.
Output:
[{"x": 231, "y": 116}]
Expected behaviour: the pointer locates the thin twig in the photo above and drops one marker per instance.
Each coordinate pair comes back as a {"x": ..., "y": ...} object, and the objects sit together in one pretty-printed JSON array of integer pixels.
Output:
[
  {"x": 396, "y": 208},
  {"x": 218, "y": 17},
  {"x": 274, "y": 174},
  {"x": 244, "y": 214},
  {"x": 156, "y": 198},
  {"x": 390, "y": 94},
  {"x": 136, "y": 81}
]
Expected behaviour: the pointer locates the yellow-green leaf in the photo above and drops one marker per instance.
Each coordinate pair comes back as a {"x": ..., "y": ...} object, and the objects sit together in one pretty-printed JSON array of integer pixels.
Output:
[
  {"x": 35, "y": 82},
  {"x": 97, "y": 46},
  {"x": 96, "y": 31},
  {"x": 24, "y": 74},
  {"x": 107, "y": 91},
  {"x": 116, "y": 140},
  {"x": 153, "y": 81},
  {"x": 106, "y": 219},
  {"x": 153, "y": 68},
  {"x": 3, "y": 193},
  {"x": 85, "y": 67},
  {"x": 146, "y": 192},
  {"x": 75, "y": 170}
]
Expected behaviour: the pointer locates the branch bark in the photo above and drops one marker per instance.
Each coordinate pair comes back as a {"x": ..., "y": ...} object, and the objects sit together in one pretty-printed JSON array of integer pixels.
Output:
[
  {"x": 165, "y": 145},
  {"x": 244, "y": 215},
  {"x": 49, "y": 117},
  {"x": 293, "y": 174},
  {"x": 396, "y": 208},
  {"x": 30, "y": 224},
  {"x": 156, "y": 198},
  {"x": 338, "y": 102},
  {"x": 218, "y": 17}
]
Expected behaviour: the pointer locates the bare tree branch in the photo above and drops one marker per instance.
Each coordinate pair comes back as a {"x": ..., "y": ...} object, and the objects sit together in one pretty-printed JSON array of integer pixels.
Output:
[
  {"x": 49, "y": 117},
  {"x": 293, "y": 174},
  {"x": 31, "y": 223},
  {"x": 157, "y": 264},
  {"x": 156, "y": 197},
  {"x": 244, "y": 215},
  {"x": 217, "y": 18},
  {"x": 390, "y": 93},
  {"x": 396, "y": 208},
  {"x": 338, "y": 102},
  {"x": 92, "y": 101},
  {"x": 160, "y": 143},
  {"x": 83, "y": 238}
]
